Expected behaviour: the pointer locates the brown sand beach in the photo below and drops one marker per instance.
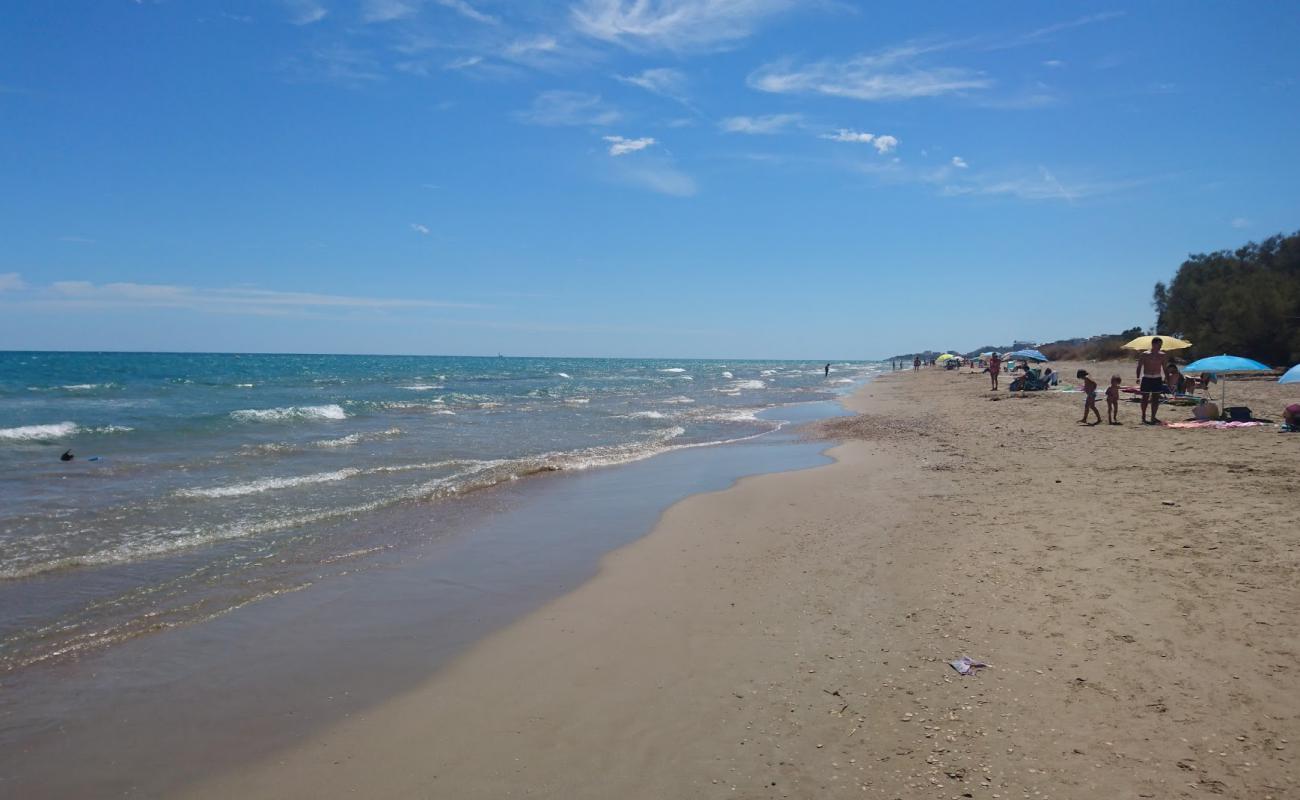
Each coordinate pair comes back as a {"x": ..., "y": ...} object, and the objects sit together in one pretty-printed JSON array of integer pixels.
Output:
[{"x": 1132, "y": 588}]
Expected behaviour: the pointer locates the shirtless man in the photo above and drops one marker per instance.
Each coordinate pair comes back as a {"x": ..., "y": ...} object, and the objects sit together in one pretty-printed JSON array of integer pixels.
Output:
[{"x": 1151, "y": 379}]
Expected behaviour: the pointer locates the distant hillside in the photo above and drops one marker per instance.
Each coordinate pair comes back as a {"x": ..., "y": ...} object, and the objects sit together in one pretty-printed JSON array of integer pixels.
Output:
[{"x": 1107, "y": 346}]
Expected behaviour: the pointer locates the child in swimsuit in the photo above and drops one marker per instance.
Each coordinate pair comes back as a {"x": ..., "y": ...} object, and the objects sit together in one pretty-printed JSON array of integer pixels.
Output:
[
  {"x": 1112, "y": 400},
  {"x": 1090, "y": 397}
]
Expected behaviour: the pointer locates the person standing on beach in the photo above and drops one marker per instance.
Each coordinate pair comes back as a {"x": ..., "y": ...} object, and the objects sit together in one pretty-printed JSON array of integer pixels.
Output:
[
  {"x": 995, "y": 367},
  {"x": 828, "y": 369},
  {"x": 1151, "y": 379},
  {"x": 916, "y": 363}
]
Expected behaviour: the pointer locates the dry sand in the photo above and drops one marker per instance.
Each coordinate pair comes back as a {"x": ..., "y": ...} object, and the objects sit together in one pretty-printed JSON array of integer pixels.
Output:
[{"x": 788, "y": 637}]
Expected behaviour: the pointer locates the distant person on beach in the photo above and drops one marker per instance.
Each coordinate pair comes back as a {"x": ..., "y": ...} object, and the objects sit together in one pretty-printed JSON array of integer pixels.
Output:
[
  {"x": 916, "y": 363},
  {"x": 995, "y": 367},
  {"x": 68, "y": 455},
  {"x": 1089, "y": 397},
  {"x": 1151, "y": 379},
  {"x": 1112, "y": 400},
  {"x": 828, "y": 370}
]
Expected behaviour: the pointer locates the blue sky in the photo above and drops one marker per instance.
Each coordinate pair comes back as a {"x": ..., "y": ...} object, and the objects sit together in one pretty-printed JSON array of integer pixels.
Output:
[{"x": 731, "y": 178}]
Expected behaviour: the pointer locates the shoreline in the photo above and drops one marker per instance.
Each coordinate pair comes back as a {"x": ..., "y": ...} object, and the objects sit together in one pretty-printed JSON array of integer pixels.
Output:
[
  {"x": 788, "y": 637},
  {"x": 285, "y": 668}
]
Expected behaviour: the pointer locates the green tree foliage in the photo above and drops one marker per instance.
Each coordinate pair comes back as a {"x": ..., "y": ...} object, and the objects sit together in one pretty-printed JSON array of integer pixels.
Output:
[{"x": 1244, "y": 302}]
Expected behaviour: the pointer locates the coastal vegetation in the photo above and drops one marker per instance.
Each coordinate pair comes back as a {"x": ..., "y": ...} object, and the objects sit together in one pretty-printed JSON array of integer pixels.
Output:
[{"x": 1244, "y": 302}]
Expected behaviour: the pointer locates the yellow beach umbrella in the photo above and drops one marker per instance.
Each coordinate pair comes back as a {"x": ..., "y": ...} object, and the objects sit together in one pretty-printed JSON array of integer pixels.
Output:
[
  {"x": 946, "y": 357},
  {"x": 1167, "y": 343}
]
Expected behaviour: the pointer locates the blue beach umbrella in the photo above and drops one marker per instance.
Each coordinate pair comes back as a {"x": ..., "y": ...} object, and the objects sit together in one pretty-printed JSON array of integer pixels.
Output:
[
  {"x": 1291, "y": 376},
  {"x": 1226, "y": 363},
  {"x": 1026, "y": 355}
]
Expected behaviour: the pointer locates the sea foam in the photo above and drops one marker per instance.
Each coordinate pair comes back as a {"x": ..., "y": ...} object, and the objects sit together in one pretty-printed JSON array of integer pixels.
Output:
[
  {"x": 39, "y": 432},
  {"x": 268, "y": 484},
  {"x": 330, "y": 411}
]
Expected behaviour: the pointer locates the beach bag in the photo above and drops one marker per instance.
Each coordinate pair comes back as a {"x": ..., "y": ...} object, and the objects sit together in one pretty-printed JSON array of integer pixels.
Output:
[
  {"x": 1206, "y": 410},
  {"x": 1239, "y": 414}
]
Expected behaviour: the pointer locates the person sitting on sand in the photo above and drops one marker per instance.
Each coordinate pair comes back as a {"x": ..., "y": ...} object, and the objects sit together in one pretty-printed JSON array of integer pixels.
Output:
[
  {"x": 1174, "y": 379},
  {"x": 1151, "y": 379},
  {"x": 1089, "y": 397},
  {"x": 1112, "y": 400},
  {"x": 1291, "y": 418},
  {"x": 1049, "y": 377}
]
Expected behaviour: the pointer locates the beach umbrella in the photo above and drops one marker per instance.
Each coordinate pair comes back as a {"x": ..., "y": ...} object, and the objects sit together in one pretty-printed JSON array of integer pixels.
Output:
[
  {"x": 1291, "y": 376},
  {"x": 945, "y": 357},
  {"x": 1166, "y": 343},
  {"x": 1225, "y": 363},
  {"x": 1026, "y": 355}
]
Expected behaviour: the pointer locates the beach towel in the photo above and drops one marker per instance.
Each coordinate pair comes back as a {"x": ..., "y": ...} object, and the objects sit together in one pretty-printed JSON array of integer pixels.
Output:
[{"x": 1210, "y": 423}]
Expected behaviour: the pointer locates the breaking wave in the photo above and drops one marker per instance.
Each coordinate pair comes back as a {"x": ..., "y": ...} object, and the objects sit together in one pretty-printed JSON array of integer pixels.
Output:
[{"x": 331, "y": 411}]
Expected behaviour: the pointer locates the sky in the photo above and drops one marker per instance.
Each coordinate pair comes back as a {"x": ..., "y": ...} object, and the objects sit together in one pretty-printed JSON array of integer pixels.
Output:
[{"x": 657, "y": 178}]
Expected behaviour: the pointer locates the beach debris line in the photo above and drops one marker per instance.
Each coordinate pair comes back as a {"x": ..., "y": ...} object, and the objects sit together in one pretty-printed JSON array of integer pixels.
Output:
[{"x": 966, "y": 665}]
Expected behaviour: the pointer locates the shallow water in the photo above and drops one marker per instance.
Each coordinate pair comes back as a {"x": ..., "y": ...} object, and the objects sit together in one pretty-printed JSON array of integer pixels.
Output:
[{"x": 221, "y": 480}]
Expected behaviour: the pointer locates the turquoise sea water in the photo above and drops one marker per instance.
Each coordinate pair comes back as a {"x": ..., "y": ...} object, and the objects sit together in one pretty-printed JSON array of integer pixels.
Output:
[{"x": 203, "y": 482}]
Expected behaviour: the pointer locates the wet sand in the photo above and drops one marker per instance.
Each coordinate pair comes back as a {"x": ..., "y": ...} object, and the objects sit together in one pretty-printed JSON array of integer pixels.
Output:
[{"x": 1133, "y": 589}]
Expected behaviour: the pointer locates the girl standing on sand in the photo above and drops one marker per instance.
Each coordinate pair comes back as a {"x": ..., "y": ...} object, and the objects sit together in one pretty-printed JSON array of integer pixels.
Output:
[{"x": 1090, "y": 397}]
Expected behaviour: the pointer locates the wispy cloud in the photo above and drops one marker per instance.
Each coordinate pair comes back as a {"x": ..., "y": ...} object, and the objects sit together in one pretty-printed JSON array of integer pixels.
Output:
[
  {"x": 423, "y": 230},
  {"x": 531, "y": 45},
  {"x": 336, "y": 63},
  {"x": 387, "y": 10},
  {"x": 673, "y": 24},
  {"x": 1040, "y": 184},
  {"x": 84, "y": 294},
  {"x": 560, "y": 107},
  {"x": 1047, "y": 31},
  {"x": 883, "y": 144},
  {"x": 305, "y": 12},
  {"x": 663, "y": 81},
  {"x": 1237, "y": 222},
  {"x": 959, "y": 162},
  {"x": 894, "y": 74},
  {"x": 619, "y": 146},
  {"x": 466, "y": 10},
  {"x": 770, "y": 123},
  {"x": 657, "y": 176},
  {"x": 11, "y": 281}
]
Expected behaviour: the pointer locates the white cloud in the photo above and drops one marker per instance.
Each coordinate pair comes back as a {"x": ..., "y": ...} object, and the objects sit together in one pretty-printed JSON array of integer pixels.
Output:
[
  {"x": 771, "y": 123},
  {"x": 673, "y": 24},
  {"x": 846, "y": 135},
  {"x": 84, "y": 294},
  {"x": 1237, "y": 222},
  {"x": 619, "y": 146},
  {"x": 1054, "y": 63},
  {"x": 959, "y": 162},
  {"x": 11, "y": 281},
  {"x": 885, "y": 144},
  {"x": 663, "y": 81},
  {"x": 894, "y": 74},
  {"x": 466, "y": 10},
  {"x": 387, "y": 10},
  {"x": 423, "y": 230},
  {"x": 305, "y": 12},
  {"x": 559, "y": 107}
]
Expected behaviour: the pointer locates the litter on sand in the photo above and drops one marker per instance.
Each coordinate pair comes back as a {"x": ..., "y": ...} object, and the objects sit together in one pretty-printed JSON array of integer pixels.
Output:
[{"x": 966, "y": 665}]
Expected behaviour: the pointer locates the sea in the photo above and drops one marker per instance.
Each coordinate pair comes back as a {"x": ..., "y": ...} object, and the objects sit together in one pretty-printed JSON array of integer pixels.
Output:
[{"x": 201, "y": 483}]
